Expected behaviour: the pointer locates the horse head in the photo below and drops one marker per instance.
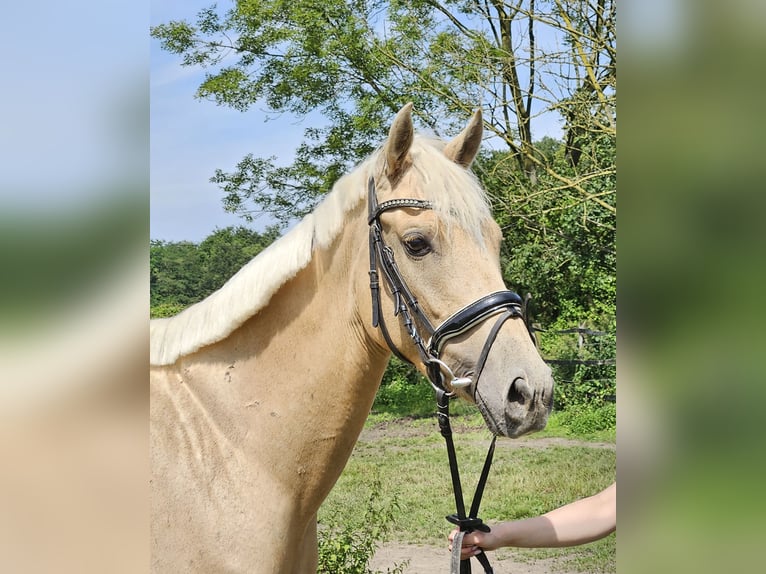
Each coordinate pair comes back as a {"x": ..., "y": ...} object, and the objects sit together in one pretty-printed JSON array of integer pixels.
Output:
[{"x": 438, "y": 293}]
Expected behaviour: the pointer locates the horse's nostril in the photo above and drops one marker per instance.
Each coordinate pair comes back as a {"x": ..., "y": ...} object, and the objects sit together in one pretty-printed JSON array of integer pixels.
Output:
[{"x": 520, "y": 392}]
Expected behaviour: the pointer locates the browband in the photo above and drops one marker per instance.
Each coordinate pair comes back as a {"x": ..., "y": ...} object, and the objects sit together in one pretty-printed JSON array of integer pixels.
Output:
[{"x": 394, "y": 203}]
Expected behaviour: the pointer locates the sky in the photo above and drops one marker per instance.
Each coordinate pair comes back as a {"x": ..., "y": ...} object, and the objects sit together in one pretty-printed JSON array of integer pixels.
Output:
[
  {"x": 63, "y": 139},
  {"x": 191, "y": 138}
]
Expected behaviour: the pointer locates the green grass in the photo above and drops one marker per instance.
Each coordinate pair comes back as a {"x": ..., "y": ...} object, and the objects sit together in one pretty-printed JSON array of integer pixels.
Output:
[
  {"x": 560, "y": 424},
  {"x": 565, "y": 425},
  {"x": 411, "y": 471}
]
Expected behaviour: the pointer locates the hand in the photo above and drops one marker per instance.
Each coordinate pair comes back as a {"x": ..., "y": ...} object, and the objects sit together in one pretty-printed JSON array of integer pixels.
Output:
[
  {"x": 471, "y": 543},
  {"x": 578, "y": 522}
]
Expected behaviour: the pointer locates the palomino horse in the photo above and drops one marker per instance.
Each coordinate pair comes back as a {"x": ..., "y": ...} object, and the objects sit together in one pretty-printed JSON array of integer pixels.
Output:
[{"x": 259, "y": 392}]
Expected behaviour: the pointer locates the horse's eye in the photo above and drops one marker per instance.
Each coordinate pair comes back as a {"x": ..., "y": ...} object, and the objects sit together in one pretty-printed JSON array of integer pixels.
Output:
[{"x": 417, "y": 245}]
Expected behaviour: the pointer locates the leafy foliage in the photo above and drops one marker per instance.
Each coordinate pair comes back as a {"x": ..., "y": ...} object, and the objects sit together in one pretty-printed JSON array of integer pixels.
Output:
[
  {"x": 557, "y": 246},
  {"x": 561, "y": 249},
  {"x": 585, "y": 420},
  {"x": 174, "y": 276},
  {"x": 404, "y": 391},
  {"x": 587, "y": 375},
  {"x": 182, "y": 273},
  {"x": 347, "y": 545},
  {"x": 356, "y": 63}
]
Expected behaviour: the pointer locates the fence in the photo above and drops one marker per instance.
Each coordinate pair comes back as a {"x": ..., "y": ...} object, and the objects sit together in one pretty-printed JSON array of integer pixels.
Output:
[{"x": 589, "y": 366}]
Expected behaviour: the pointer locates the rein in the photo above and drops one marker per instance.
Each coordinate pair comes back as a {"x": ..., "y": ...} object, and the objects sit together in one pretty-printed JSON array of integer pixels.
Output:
[{"x": 506, "y": 304}]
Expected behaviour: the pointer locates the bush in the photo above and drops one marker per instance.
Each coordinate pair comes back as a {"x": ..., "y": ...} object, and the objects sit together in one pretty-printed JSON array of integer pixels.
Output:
[
  {"x": 346, "y": 547},
  {"x": 584, "y": 419},
  {"x": 401, "y": 398},
  {"x": 587, "y": 378},
  {"x": 166, "y": 310},
  {"x": 404, "y": 392}
]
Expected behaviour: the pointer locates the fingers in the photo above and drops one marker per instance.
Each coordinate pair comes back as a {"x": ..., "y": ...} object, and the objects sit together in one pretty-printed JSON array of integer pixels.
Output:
[
  {"x": 468, "y": 539},
  {"x": 467, "y": 551},
  {"x": 470, "y": 547}
]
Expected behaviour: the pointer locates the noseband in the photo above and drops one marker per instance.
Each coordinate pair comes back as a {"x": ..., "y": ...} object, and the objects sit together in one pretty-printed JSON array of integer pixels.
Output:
[{"x": 506, "y": 304}]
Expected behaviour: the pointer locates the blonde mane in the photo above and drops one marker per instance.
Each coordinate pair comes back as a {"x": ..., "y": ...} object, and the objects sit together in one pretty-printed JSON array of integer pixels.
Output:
[{"x": 454, "y": 192}]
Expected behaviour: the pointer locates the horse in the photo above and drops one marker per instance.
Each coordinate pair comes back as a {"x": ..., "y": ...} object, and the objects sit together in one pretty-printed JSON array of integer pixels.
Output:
[{"x": 260, "y": 391}]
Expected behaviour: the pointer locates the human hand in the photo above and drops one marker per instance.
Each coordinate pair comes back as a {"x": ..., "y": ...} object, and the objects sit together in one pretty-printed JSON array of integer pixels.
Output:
[{"x": 473, "y": 543}]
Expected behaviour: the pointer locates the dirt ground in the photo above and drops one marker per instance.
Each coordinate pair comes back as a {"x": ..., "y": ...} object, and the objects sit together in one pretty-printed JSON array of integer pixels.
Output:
[{"x": 432, "y": 560}]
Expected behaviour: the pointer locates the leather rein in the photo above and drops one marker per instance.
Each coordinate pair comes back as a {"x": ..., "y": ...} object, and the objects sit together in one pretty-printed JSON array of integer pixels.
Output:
[{"x": 505, "y": 304}]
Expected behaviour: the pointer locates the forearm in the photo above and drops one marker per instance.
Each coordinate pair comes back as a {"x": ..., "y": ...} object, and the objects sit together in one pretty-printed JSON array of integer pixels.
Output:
[{"x": 580, "y": 522}]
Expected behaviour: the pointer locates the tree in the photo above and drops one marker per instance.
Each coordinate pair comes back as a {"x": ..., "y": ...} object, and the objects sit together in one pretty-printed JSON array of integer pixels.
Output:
[
  {"x": 182, "y": 273},
  {"x": 556, "y": 246},
  {"x": 358, "y": 61},
  {"x": 174, "y": 273},
  {"x": 225, "y": 251}
]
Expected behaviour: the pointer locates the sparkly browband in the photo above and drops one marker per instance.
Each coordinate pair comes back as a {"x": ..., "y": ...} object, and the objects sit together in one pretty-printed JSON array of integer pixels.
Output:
[{"x": 394, "y": 203}]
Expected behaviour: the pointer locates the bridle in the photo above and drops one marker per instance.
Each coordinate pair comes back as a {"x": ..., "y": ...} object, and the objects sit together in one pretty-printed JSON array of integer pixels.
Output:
[{"x": 504, "y": 304}]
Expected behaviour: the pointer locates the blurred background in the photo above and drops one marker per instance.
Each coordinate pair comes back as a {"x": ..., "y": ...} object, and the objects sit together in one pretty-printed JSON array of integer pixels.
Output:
[
  {"x": 74, "y": 291},
  {"x": 74, "y": 287},
  {"x": 689, "y": 279}
]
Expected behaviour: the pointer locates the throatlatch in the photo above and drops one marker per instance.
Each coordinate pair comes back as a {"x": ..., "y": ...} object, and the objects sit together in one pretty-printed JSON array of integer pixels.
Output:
[{"x": 505, "y": 303}]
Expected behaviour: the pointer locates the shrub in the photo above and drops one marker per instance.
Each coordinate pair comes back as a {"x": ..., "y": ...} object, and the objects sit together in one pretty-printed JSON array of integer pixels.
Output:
[
  {"x": 587, "y": 377},
  {"x": 166, "y": 310},
  {"x": 346, "y": 547},
  {"x": 588, "y": 419},
  {"x": 404, "y": 392}
]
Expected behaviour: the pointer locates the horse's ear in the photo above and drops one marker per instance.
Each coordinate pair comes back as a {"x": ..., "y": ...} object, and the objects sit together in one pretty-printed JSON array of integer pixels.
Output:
[
  {"x": 399, "y": 141},
  {"x": 463, "y": 149}
]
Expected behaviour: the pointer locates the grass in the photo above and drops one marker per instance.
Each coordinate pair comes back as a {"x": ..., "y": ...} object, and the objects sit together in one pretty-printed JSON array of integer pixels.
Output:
[
  {"x": 409, "y": 467},
  {"x": 469, "y": 417}
]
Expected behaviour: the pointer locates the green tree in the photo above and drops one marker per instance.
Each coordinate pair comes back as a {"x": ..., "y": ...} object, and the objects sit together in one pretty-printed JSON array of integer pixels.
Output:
[
  {"x": 358, "y": 61},
  {"x": 556, "y": 246},
  {"x": 225, "y": 251},
  {"x": 182, "y": 273},
  {"x": 174, "y": 269}
]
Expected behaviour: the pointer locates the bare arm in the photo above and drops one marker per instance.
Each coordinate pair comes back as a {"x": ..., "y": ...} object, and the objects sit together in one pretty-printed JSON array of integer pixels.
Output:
[{"x": 576, "y": 523}]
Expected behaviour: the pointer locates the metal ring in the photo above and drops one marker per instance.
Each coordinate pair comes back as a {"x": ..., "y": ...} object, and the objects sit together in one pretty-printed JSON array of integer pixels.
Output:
[{"x": 455, "y": 382}]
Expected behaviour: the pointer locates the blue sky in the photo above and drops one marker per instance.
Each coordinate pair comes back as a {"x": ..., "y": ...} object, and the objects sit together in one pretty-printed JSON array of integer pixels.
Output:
[
  {"x": 65, "y": 135},
  {"x": 191, "y": 138}
]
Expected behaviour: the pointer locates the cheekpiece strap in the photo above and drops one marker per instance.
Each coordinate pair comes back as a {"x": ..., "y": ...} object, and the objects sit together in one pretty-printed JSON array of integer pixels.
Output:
[{"x": 405, "y": 302}]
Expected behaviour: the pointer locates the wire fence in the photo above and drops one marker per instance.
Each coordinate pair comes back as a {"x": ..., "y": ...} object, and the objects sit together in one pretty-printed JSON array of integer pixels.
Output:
[
  {"x": 587, "y": 366},
  {"x": 580, "y": 331}
]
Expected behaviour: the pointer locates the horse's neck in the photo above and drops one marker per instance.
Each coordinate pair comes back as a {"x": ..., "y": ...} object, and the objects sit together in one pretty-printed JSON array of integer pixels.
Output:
[{"x": 295, "y": 383}]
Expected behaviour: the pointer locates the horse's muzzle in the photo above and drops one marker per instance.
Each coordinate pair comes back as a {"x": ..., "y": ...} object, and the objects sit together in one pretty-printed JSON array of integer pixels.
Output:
[{"x": 524, "y": 407}]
